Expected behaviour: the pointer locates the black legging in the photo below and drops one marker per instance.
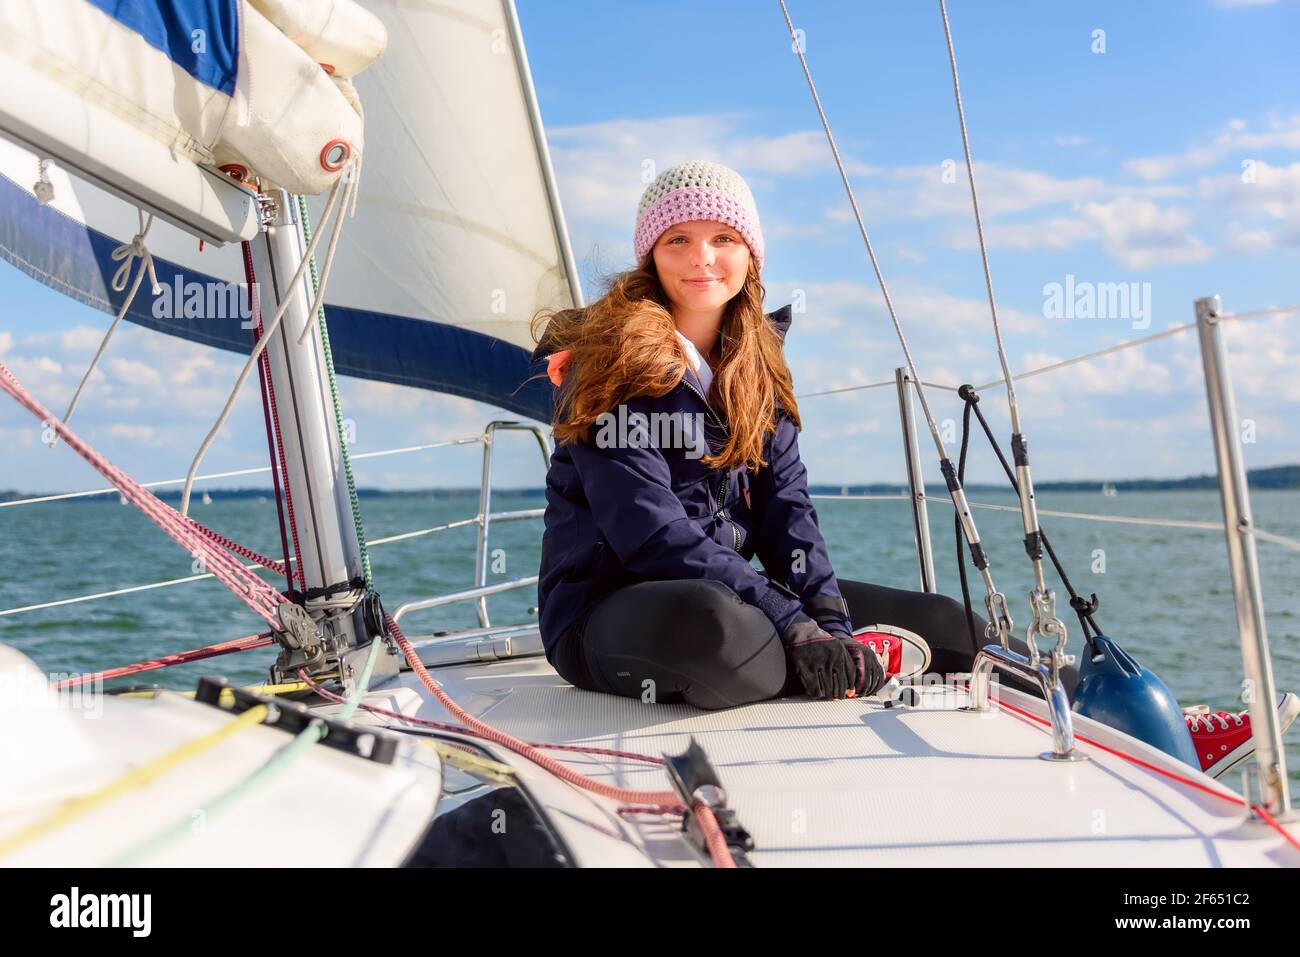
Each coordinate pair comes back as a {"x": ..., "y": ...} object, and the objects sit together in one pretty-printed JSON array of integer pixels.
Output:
[{"x": 696, "y": 640}]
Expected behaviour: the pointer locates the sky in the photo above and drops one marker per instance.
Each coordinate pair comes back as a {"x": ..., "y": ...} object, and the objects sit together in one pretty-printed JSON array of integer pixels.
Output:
[{"x": 1153, "y": 147}]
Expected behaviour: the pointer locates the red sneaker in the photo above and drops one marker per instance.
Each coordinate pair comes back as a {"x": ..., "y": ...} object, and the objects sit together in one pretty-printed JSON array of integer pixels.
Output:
[
  {"x": 901, "y": 653},
  {"x": 888, "y": 649},
  {"x": 1223, "y": 740}
]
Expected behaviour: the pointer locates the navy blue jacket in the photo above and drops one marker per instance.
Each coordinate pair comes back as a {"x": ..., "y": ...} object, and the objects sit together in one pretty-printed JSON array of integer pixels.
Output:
[{"x": 619, "y": 515}]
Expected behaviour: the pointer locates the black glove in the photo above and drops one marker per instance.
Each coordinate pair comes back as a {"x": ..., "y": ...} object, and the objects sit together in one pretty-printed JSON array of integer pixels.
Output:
[
  {"x": 870, "y": 673},
  {"x": 825, "y": 665}
]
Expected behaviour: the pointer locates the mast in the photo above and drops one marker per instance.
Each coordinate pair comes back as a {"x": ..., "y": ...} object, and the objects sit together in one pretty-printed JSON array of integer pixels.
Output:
[{"x": 331, "y": 554}]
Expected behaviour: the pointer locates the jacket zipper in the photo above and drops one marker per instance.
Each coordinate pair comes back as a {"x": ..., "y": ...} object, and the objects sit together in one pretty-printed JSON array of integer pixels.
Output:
[{"x": 720, "y": 512}]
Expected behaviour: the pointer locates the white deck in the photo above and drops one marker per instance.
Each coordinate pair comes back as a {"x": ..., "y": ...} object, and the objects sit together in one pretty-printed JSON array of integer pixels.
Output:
[
  {"x": 854, "y": 783},
  {"x": 373, "y": 815}
]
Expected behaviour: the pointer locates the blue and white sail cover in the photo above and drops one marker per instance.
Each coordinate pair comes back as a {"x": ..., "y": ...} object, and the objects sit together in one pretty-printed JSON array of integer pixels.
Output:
[{"x": 458, "y": 238}]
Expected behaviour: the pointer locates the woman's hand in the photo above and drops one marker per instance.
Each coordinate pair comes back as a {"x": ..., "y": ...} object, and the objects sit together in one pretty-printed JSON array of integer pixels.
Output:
[
  {"x": 870, "y": 672},
  {"x": 825, "y": 664}
]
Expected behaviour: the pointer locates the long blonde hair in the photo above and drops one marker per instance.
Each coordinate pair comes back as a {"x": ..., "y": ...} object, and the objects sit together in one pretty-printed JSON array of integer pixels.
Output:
[{"x": 625, "y": 344}]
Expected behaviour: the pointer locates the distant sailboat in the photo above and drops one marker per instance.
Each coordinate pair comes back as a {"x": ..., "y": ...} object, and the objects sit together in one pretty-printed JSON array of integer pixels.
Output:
[
  {"x": 207, "y": 499},
  {"x": 1108, "y": 489}
]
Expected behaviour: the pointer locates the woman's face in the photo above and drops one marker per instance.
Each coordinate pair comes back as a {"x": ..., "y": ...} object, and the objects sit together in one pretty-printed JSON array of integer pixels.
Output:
[{"x": 702, "y": 264}]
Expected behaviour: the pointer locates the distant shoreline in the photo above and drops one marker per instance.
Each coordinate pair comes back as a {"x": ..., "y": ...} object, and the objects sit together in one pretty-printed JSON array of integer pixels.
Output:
[{"x": 1279, "y": 477}]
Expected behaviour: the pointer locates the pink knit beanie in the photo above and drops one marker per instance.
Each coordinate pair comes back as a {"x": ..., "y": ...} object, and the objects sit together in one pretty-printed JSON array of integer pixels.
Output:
[{"x": 697, "y": 190}]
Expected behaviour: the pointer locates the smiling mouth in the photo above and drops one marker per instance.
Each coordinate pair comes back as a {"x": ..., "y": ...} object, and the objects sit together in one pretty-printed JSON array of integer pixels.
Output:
[{"x": 702, "y": 282}]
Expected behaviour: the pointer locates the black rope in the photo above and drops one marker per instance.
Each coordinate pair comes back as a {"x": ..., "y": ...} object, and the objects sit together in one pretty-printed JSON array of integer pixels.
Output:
[
  {"x": 956, "y": 523},
  {"x": 1083, "y": 607}
]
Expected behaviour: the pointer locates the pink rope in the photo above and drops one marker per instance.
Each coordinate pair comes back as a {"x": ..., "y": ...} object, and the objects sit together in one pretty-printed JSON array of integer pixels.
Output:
[
  {"x": 264, "y": 601},
  {"x": 713, "y": 836},
  {"x": 244, "y": 552},
  {"x": 260, "y": 597}
]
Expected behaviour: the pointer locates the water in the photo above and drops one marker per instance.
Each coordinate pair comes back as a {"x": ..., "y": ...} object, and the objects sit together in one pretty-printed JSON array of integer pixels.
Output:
[{"x": 1165, "y": 592}]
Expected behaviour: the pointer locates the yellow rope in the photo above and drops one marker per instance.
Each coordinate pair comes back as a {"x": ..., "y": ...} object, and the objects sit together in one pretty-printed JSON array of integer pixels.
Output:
[
  {"x": 226, "y": 696},
  {"x": 472, "y": 763},
  {"x": 136, "y": 778}
]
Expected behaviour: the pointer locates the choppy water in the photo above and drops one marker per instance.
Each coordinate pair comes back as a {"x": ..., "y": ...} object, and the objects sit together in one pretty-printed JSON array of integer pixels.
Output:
[{"x": 1165, "y": 592}]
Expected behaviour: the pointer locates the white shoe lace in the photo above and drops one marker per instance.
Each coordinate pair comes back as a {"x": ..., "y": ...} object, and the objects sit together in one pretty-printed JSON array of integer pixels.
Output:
[{"x": 1194, "y": 721}]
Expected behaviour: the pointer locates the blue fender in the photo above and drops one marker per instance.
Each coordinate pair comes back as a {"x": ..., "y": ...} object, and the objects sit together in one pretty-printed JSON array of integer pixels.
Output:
[{"x": 1117, "y": 691}]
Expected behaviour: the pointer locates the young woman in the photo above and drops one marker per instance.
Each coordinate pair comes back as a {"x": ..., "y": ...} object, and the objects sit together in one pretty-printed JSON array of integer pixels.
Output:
[{"x": 677, "y": 461}]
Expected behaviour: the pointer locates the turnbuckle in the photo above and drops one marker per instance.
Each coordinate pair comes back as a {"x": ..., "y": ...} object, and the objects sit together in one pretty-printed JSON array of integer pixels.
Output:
[
  {"x": 1048, "y": 626},
  {"x": 999, "y": 625}
]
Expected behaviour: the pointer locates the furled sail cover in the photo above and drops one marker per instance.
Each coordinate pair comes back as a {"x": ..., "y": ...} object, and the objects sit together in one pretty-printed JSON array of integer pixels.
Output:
[{"x": 458, "y": 237}]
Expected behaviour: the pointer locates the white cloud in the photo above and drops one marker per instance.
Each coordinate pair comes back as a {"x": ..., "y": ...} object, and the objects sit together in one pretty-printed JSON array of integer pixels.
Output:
[
  {"x": 1138, "y": 234},
  {"x": 1118, "y": 373},
  {"x": 781, "y": 229},
  {"x": 1270, "y": 193},
  {"x": 1162, "y": 167},
  {"x": 83, "y": 338},
  {"x": 922, "y": 310},
  {"x": 956, "y": 317},
  {"x": 1235, "y": 138},
  {"x": 1058, "y": 232},
  {"x": 941, "y": 189},
  {"x": 1264, "y": 358},
  {"x": 604, "y": 167},
  {"x": 1072, "y": 140},
  {"x": 133, "y": 373},
  {"x": 134, "y": 433}
]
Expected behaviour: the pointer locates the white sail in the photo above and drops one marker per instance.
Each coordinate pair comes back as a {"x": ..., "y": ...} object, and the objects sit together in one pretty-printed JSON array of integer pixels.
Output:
[{"x": 458, "y": 237}]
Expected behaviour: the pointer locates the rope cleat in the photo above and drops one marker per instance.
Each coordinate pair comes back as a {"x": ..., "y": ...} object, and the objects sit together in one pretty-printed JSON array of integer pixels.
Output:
[{"x": 694, "y": 777}]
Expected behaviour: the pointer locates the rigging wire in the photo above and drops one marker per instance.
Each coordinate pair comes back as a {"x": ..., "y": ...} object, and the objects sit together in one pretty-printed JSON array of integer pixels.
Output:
[
  {"x": 1083, "y": 607},
  {"x": 271, "y": 327},
  {"x": 1042, "y": 602},
  {"x": 999, "y": 620}
]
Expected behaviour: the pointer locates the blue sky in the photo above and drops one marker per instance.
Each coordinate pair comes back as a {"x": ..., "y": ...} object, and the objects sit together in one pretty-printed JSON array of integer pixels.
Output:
[{"x": 1170, "y": 160}]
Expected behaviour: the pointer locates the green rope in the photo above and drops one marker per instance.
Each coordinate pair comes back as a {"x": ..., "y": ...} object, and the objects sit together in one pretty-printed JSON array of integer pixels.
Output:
[
  {"x": 338, "y": 408},
  {"x": 278, "y": 762}
]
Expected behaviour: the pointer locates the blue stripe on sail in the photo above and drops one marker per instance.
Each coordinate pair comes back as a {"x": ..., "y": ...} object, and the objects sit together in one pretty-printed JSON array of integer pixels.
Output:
[
  {"x": 76, "y": 260},
  {"x": 199, "y": 36}
]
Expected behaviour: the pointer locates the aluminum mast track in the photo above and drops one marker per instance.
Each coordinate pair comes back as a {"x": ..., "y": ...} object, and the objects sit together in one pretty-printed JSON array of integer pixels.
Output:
[{"x": 999, "y": 622}]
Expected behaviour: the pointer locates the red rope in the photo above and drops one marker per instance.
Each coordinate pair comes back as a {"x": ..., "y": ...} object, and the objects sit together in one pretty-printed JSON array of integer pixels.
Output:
[
  {"x": 245, "y": 552},
  {"x": 252, "y": 590},
  {"x": 655, "y": 809},
  {"x": 708, "y": 824},
  {"x": 231, "y": 647}
]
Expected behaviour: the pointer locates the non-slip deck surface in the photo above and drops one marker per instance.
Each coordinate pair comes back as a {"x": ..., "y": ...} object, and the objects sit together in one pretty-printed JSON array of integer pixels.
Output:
[{"x": 852, "y": 783}]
